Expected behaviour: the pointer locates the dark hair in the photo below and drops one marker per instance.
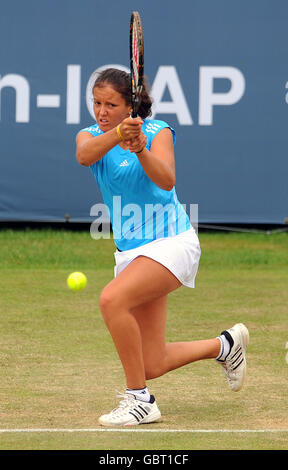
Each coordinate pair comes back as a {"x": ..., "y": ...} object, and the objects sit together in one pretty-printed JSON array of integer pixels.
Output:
[{"x": 120, "y": 81}]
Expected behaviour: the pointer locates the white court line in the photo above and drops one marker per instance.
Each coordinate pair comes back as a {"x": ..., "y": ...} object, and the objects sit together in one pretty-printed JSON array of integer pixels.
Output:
[{"x": 94, "y": 430}]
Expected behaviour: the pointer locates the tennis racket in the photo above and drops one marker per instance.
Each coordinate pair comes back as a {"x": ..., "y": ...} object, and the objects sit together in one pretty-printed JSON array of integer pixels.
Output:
[{"x": 136, "y": 60}]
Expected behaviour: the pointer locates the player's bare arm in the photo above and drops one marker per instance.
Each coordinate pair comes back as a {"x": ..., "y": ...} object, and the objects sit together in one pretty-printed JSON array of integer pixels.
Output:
[
  {"x": 158, "y": 162},
  {"x": 90, "y": 149}
]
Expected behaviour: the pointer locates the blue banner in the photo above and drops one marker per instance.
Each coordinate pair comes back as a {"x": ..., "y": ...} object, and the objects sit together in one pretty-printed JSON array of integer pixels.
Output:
[{"x": 218, "y": 73}]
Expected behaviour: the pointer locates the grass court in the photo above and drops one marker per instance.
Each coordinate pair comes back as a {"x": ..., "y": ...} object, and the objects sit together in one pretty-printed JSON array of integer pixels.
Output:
[{"x": 59, "y": 370}]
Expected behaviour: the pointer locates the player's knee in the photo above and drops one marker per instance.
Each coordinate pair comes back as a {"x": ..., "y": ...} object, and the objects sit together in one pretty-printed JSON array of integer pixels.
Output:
[
  {"x": 109, "y": 303},
  {"x": 106, "y": 302}
]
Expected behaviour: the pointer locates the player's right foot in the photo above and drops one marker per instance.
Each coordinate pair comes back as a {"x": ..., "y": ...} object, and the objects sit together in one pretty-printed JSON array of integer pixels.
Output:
[
  {"x": 132, "y": 412},
  {"x": 234, "y": 365}
]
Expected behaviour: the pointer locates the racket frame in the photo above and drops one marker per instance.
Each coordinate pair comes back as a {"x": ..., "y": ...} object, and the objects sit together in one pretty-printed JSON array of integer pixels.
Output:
[{"x": 136, "y": 60}]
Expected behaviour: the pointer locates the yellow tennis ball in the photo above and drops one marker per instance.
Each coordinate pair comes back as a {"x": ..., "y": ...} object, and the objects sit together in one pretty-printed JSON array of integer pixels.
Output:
[{"x": 76, "y": 281}]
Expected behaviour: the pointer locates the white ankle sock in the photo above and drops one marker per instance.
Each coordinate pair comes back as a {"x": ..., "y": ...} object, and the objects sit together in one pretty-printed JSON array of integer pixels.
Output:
[
  {"x": 225, "y": 348},
  {"x": 140, "y": 393}
]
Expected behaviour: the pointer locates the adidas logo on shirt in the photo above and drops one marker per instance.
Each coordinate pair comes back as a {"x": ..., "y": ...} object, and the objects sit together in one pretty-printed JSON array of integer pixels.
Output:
[{"x": 124, "y": 163}]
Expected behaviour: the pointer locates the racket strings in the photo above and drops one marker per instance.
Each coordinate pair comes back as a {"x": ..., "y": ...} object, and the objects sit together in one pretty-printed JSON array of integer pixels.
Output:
[{"x": 136, "y": 60}]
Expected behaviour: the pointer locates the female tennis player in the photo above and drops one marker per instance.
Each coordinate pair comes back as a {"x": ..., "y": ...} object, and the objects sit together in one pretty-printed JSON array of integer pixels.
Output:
[{"x": 157, "y": 249}]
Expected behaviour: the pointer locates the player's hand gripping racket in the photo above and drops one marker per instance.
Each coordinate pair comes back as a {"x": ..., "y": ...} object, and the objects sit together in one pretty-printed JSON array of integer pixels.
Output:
[{"x": 136, "y": 60}]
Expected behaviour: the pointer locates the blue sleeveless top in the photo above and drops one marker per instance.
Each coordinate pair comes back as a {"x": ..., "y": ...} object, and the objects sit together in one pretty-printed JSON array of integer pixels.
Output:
[{"x": 139, "y": 210}]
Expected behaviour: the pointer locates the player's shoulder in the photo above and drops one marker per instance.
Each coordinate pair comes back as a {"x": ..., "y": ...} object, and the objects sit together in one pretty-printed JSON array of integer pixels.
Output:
[
  {"x": 94, "y": 129},
  {"x": 151, "y": 127}
]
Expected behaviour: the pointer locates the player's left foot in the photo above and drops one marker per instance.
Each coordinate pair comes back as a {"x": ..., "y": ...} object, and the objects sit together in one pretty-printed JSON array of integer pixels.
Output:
[
  {"x": 234, "y": 365},
  {"x": 131, "y": 412}
]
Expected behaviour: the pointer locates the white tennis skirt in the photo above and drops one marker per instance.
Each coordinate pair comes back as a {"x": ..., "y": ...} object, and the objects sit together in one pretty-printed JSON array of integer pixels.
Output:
[{"x": 180, "y": 254}]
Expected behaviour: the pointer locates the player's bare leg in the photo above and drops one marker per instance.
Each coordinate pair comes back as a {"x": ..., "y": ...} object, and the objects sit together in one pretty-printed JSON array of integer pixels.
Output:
[
  {"x": 142, "y": 281},
  {"x": 161, "y": 357}
]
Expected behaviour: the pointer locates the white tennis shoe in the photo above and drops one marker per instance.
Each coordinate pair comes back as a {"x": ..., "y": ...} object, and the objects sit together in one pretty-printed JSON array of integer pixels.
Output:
[
  {"x": 132, "y": 412},
  {"x": 234, "y": 365}
]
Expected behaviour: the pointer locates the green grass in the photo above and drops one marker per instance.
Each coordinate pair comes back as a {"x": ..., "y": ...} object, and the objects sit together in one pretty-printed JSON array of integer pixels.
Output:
[{"x": 58, "y": 364}]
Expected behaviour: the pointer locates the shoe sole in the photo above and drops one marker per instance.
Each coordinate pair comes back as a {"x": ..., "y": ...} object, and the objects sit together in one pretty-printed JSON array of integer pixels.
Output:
[{"x": 153, "y": 418}]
